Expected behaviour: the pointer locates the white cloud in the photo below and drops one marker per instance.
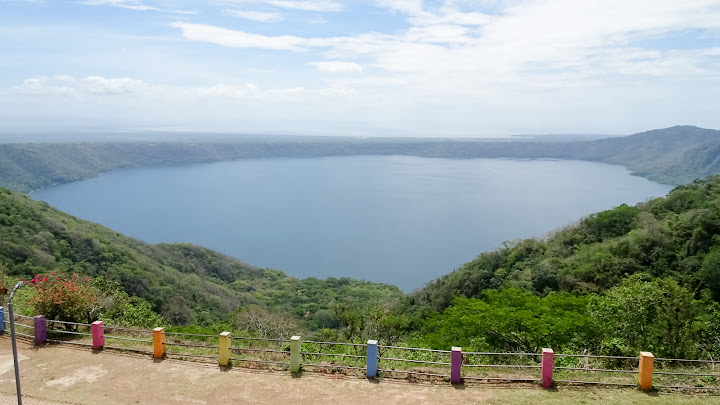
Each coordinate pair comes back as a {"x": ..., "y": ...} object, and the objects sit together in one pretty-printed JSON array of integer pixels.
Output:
[
  {"x": 337, "y": 66},
  {"x": 411, "y": 7},
  {"x": 224, "y": 90},
  {"x": 134, "y": 5},
  {"x": 101, "y": 85},
  {"x": 307, "y": 5},
  {"x": 258, "y": 16},
  {"x": 241, "y": 39},
  {"x": 65, "y": 85},
  {"x": 41, "y": 86},
  {"x": 468, "y": 62}
]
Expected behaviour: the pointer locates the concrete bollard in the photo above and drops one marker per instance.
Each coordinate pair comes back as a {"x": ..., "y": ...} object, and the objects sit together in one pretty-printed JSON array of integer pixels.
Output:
[
  {"x": 40, "y": 329},
  {"x": 224, "y": 349},
  {"x": 159, "y": 343},
  {"x": 646, "y": 370},
  {"x": 547, "y": 367},
  {"x": 295, "y": 354},
  {"x": 98, "y": 335},
  {"x": 456, "y": 365},
  {"x": 372, "y": 358}
]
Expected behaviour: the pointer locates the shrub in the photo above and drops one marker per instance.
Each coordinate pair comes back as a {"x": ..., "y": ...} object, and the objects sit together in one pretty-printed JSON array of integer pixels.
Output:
[{"x": 65, "y": 297}]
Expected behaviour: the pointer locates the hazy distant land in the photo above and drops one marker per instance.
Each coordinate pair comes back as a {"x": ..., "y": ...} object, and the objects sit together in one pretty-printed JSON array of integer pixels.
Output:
[{"x": 674, "y": 155}]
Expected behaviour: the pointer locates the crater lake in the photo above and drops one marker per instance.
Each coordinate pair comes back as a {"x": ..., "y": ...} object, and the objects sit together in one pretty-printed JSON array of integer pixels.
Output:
[{"x": 394, "y": 219}]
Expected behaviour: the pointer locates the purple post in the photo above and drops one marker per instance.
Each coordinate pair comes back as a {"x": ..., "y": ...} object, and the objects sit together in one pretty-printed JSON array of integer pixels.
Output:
[
  {"x": 98, "y": 335},
  {"x": 547, "y": 368},
  {"x": 40, "y": 328},
  {"x": 456, "y": 365}
]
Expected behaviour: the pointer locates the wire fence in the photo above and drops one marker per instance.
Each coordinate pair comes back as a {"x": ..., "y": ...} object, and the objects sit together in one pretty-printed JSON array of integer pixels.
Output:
[{"x": 392, "y": 361}]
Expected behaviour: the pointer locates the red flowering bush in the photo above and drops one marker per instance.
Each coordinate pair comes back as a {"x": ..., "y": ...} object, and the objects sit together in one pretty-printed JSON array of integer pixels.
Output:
[{"x": 64, "y": 297}]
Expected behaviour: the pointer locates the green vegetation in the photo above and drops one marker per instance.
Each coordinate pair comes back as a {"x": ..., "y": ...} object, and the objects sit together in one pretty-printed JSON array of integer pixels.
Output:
[
  {"x": 674, "y": 155},
  {"x": 619, "y": 281},
  {"x": 644, "y": 277},
  {"x": 185, "y": 284}
]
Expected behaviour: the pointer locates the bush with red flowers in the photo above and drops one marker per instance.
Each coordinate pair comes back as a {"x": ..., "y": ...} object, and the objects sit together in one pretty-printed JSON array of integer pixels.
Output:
[{"x": 62, "y": 297}]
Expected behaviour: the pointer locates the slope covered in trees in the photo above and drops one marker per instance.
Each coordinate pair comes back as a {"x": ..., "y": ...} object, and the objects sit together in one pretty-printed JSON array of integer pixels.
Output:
[
  {"x": 677, "y": 236},
  {"x": 182, "y": 282},
  {"x": 674, "y": 155},
  {"x": 644, "y": 277}
]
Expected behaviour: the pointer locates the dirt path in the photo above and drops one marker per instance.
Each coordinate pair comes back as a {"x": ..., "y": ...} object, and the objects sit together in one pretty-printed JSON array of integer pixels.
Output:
[{"x": 75, "y": 375}]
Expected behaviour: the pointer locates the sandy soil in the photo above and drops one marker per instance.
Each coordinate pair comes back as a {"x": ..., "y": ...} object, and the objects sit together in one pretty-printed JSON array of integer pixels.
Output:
[{"x": 75, "y": 375}]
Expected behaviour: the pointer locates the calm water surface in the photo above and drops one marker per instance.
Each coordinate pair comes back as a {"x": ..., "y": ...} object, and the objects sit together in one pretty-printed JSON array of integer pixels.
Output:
[{"x": 397, "y": 219}]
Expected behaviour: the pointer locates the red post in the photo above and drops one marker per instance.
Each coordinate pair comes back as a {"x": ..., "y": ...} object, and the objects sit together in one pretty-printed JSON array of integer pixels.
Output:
[
  {"x": 98, "y": 335},
  {"x": 456, "y": 366},
  {"x": 547, "y": 368}
]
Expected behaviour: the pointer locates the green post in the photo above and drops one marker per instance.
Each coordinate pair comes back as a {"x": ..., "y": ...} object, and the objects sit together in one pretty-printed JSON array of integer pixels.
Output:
[{"x": 295, "y": 354}]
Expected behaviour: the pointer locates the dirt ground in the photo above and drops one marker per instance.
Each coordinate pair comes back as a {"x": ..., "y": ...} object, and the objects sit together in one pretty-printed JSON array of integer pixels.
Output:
[{"x": 55, "y": 375}]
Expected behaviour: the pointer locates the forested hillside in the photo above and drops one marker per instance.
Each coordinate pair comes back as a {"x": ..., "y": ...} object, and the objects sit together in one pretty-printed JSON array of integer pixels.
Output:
[
  {"x": 677, "y": 236},
  {"x": 615, "y": 282},
  {"x": 182, "y": 282},
  {"x": 674, "y": 155},
  {"x": 644, "y": 277}
]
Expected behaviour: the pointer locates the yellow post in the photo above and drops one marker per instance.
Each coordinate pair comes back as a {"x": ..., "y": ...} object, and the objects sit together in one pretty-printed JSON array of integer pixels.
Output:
[
  {"x": 159, "y": 342},
  {"x": 295, "y": 354},
  {"x": 646, "y": 371},
  {"x": 224, "y": 348}
]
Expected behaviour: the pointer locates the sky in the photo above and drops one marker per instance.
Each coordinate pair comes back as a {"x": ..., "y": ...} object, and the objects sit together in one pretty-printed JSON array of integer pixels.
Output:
[{"x": 453, "y": 68}]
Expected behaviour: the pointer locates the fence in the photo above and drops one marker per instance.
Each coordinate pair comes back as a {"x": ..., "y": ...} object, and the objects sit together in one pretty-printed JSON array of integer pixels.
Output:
[{"x": 374, "y": 360}]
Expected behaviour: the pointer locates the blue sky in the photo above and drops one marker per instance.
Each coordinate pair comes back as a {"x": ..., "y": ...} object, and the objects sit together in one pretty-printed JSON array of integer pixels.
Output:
[{"x": 369, "y": 68}]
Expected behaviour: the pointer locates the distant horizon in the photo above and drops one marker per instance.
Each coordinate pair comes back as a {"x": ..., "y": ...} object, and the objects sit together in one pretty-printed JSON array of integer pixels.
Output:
[
  {"x": 130, "y": 135},
  {"x": 200, "y": 136}
]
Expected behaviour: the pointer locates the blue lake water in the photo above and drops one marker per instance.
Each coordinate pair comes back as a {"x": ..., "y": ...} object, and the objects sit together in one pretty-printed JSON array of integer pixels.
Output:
[{"x": 395, "y": 219}]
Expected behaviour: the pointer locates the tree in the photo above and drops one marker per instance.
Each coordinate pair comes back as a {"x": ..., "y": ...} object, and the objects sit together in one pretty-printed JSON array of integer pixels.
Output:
[
  {"x": 642, "y": 313},
  {"x": 65, "y": 298},
  {"x": 512, "y": 320}
]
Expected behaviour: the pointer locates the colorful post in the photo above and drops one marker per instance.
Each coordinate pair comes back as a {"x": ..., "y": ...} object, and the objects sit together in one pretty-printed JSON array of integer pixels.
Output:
[
  {"x": 2, "y": 320},
  {"x": 456, "y": 365},
  {"x": 372, "y": 358},
  {"x": 224, "y": 349},
  {"x": 158, "y": 343},
  {"x": 295, "y": 354},
  {"x": 646, "y": 370},
  {"x": 40, "y": 329},
  {"x": 98, "y": 335},
  {"x": 547, "y": 368}
]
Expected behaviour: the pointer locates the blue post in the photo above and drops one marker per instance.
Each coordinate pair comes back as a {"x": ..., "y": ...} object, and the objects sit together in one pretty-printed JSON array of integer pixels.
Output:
[
  {"x": 2, "y": 320},
  {"x": 372, "y": 358}
]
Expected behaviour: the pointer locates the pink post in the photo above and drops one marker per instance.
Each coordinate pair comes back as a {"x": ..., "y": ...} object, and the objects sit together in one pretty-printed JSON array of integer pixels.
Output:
[
  {"x": 547, "y": 368},
  {"x": 456, "y": 366},
  {"x": 98, "y": 335}
]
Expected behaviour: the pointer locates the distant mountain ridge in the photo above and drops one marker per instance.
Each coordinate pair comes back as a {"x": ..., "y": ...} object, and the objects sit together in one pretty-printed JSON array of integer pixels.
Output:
[
  {"x": 675, "y": 155},
  {"x": 681, "y": 153}
]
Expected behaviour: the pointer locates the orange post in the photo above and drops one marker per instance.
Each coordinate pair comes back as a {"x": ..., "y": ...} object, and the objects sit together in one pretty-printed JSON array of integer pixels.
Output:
[
  {"x": 646, "y": 371},
  {"x": 159, "y": 342}
]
